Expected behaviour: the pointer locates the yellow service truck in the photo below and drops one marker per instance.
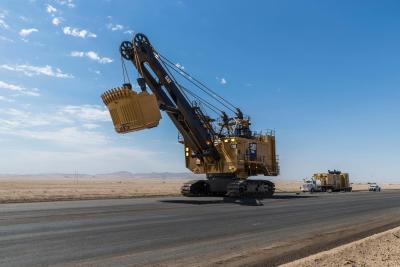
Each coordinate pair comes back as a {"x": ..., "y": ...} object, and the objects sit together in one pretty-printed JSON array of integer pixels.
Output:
[
  {"x": 333, "y": 181},
  {"x": 327, "y": 182}
]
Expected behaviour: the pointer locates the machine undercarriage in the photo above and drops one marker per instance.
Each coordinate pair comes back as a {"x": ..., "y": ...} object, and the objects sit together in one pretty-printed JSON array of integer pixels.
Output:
[{"x": 234, "y": 188}]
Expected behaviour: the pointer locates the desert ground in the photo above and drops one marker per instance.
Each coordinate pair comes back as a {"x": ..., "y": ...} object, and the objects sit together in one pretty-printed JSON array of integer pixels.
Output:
[
  {"x": 28, "y": 189},
  {"x": 381, "y": 249}
]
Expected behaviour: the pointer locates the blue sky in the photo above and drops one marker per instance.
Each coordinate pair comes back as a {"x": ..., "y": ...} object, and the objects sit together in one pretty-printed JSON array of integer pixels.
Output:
[{"x": 324, "y": 74}]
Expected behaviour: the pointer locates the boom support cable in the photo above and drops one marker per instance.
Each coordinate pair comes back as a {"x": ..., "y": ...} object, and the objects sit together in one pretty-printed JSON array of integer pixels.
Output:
[
  {"x": 199, "y": 85},
  {"x": 178, "y": 71},
  {"x": 184, "y": 90},
  {"x": 173, "y": 78},
  {"x": 203, "y": 101}
]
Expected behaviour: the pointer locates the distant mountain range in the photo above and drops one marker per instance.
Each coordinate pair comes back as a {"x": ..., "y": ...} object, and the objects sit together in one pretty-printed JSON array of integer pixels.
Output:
[{"x": 112, "y": 175}]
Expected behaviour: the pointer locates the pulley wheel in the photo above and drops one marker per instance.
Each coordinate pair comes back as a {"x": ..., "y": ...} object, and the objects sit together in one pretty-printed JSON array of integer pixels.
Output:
[
  {"x": 139, "y": 39},
  {"x": 125, "y": 50}
]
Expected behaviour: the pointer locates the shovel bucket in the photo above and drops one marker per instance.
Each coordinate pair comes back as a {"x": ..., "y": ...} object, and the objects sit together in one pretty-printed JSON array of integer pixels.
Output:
[{"x": 131, "y": 111}]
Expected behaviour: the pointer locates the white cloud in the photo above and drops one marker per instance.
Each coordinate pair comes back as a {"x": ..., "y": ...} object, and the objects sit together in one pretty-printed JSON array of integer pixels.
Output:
[
  {"x": 63, "y": 126},
  {"x": 68, "y": 135},
  {"x": 30, "y": 70},
  {"x": 65, "y": 117},
  {"x": 92, "y": 55},
  {"x": 23, "y": 18},
  {"x": 68, "y": 3},
  {"x": 78, "y": 32},
  {"x": 87, "y": 112},
  {"x": 118, "y": 27},
  {"x": 90, "y": 126},
  {"x": 115, "y": 27},
  {"x": 95, "y": 71},
  {"x": 77, "y": 54},
  {"x": 57, "y": 21},
  {"x": 3, "y": 23},
  {"x": 5, "y": 99},
  {"x": 9, "y": 86},
  {"x": 5, "y": 39},
  {"x": 19, "y": 88},
  {"x": 222, "y": 81},
  {"x": 33, "y": 92},
  {"x": 61, "y": 142},
  {"x": 50, "y": 9},
  {"x": 18, "y": 119},
  {"x": 26, "y": 32}
]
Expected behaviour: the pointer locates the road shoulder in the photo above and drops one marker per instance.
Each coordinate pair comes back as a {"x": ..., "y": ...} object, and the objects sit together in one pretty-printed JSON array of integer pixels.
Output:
[{"x": 382, "y": 249}]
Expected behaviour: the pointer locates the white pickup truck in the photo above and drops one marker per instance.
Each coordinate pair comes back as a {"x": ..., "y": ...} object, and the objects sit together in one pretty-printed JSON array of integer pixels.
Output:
[{"x": 374, "y": 187}]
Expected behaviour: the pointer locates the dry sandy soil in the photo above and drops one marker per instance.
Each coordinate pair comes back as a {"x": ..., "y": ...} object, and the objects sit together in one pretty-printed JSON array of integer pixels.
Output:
[
  {"x": 377, "y": 250},
  {"x": 22, "y": 189}
]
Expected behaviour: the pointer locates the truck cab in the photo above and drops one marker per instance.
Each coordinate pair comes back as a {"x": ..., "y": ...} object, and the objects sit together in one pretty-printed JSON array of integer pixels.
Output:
[
  {"x": 310, "y": 185},
  {"x": 374, "y": 187}
]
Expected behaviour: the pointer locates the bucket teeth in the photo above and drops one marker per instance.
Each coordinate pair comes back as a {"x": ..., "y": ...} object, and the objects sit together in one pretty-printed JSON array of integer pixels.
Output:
[{"x": 116, "y": 94}]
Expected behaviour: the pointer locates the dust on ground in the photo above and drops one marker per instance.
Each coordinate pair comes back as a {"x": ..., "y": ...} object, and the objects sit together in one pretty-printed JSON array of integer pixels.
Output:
[{"x": 381, "y": 249}]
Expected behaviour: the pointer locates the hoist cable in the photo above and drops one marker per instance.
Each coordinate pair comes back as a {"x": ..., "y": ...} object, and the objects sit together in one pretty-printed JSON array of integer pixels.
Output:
[
  {"x": 176, "y": 70},
  {"x": 170, "y": 75},
  {"x": 185, "y": 90},
  {"x": 215, "y": 109},
  {"x": 124, "y": 71},
  {"x": 189, "y": 77}
]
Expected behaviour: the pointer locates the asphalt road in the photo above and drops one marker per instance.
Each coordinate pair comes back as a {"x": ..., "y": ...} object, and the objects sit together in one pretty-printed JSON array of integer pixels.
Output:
[{"x": 188, "y": 232}]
